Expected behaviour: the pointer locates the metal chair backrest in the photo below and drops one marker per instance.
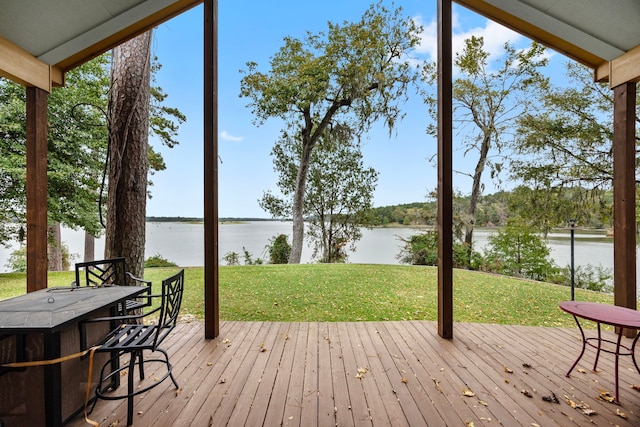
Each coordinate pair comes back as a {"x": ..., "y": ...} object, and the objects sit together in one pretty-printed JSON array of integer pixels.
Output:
[
  {"x": 172, "y": 291},
  {"x": 102, "y": 272}
]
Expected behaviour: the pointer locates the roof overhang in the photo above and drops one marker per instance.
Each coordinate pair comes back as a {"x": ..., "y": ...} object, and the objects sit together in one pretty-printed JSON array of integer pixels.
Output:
[
  {"x": 605, "y": 36},
  {"x": 41, "y": 39}
]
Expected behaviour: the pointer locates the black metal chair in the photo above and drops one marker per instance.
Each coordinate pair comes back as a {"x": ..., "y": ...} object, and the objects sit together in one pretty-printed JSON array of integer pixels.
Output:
[
  {"x": 135, "y": 339},
  {"x": 110, "y": 272}
]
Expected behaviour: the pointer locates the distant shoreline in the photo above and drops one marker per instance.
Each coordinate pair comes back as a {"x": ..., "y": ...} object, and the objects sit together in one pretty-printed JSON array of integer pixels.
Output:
[{"x": 201, "y": 220}]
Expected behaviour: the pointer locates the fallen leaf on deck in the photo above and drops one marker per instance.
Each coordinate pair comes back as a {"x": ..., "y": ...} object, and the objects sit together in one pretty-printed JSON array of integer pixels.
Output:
[
  {"x": 582, "y": 371},
  {"x": 508, "y": 370},
  {"x": 359, "y": 376},
  {"x": 621, "y": 414},
  {"x": 570, "y": 402},
  {"x": 636, "y": 387},
  {"x": 588, "y": 411},
  {"x": 223, "y": 380},
  {"x": 437, "y": 383},
  {"x": 467, "y": 392},
  {"x": 526, "y": 393},
  {"x": 469, "y": 423},
  {"x": 178, "y": 391},
  {"x": 226, "y": 341},
  {"x": 210, "y": 421},
  {"x": 209, "y": 363},
  {"x": 403, "y": 379},
  {"x": 483, "y": 403},
  {"x": 553, "y": 398},
  {"x": 526, "y": 365},
  {"x": 606, "y": 396}
]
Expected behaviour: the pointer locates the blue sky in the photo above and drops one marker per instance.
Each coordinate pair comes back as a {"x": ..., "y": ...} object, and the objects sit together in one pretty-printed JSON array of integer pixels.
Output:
[{"x": 253, "y": 30}]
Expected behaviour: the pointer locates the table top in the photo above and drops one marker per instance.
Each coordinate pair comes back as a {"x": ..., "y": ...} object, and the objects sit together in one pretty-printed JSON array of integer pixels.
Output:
[
  {"x": 51, "y": 309},
  {"x": 603, "y": 313}
]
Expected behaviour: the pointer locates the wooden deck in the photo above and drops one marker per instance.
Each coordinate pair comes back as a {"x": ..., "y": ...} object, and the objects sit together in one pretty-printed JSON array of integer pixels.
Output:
[{"x": 379, "y": 374}]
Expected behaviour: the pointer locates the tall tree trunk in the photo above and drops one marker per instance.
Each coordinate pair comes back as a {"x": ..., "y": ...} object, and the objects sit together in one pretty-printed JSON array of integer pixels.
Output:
[
  {"x": 475, "y": 194},
  {"x": 89, "y": 247},
  {"x": 297, "y": 239},
  {"x": 128, "y": 138},
  {"x": 55, "y": 247}
]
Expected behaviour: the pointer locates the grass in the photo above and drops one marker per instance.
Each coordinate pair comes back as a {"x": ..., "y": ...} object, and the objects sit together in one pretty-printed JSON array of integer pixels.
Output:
[{"x": 358, "y": 292}]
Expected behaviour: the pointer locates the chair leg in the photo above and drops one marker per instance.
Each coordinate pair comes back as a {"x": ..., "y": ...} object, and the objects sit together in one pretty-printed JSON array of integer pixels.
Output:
[
  {"x": 169, "y": 367},
  {"x": 132, "y": 365},
  {"x": 140, "y": 365}
]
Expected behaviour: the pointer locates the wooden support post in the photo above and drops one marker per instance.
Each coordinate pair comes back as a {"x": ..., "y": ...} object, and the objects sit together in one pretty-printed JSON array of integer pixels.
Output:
[
  {"x": 211, "y": 249},
  {"x": 36, "y": 188},
  {"x": 445, "y": 172},
  {"x": 624, "y": 195}
]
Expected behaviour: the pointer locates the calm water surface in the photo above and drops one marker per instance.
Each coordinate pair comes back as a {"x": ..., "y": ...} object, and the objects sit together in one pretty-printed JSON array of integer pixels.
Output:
[{"x": 183, "y": 243}]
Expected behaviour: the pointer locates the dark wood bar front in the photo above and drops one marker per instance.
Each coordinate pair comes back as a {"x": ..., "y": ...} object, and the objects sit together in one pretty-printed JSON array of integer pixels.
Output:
[{"x": 44, "y": 325}]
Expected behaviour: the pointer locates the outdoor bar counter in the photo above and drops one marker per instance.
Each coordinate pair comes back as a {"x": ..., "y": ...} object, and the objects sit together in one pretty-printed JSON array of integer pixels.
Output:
[{"x": 44, "y": 325}]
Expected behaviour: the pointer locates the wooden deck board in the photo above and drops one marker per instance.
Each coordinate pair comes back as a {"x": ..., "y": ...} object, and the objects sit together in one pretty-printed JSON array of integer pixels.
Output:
[{"x": 305, "y": 374}]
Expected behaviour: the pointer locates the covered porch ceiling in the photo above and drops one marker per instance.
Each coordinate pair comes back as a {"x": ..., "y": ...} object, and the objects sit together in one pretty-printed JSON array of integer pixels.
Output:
[
  {"x": 42, "y": 39},
  {"x": 602, "y": 35}
]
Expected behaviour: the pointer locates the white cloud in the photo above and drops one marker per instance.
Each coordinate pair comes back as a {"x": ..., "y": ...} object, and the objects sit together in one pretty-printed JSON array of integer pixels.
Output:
[
  {"x": 494, "y": 35},
  {"x": 228, "y": 137}
]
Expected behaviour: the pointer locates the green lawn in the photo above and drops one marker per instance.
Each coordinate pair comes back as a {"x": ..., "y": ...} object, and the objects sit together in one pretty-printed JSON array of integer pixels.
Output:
[{"x": 358, "y": 292}]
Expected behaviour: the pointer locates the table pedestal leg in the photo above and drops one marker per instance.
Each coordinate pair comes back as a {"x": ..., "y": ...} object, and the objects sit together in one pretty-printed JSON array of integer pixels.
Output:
[{"x": 584, "y": 345}]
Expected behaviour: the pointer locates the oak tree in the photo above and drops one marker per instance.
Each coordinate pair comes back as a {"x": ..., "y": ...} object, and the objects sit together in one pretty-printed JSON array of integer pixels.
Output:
[
  {"x": 487, "y": 99},
  {"x": 339, "y": 189},
  {"x": 355, "y": 73}
]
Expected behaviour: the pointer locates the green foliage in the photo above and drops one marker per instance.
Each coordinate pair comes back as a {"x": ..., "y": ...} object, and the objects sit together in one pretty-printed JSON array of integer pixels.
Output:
[
  {"x": 565, "y": 149},
  {"x": 158, "y": 260},
  {"x": 422, "y": 249},
  {"x": 279, "y": 249},
  {"x": 352, "y": 76},
  {"x": 517, "y": 250},
  {"x": 231, "y": 258},
  {"x": 17, "y": 261},
  {"x": 338, "y": 191},
  {"x": 358, "y": 69},
  {"x": 593, "y": 278},
  {"x": 77, "y": 147},
  {"x": 248, "y": 258}
]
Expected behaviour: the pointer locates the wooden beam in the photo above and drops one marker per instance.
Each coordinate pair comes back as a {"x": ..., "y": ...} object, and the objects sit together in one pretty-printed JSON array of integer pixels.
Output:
[
  {"x": 521, "y": 26},
  {"x": 211, "y": 249},
  {"x": 445, "y": 171},
  {"x": 36, "y": 188},
  {"x": 110, "y": 41},
  {"x": 20, "y": 66},
  {"x": 624, "y": 219},
  {"x": 625, "y": 68}
]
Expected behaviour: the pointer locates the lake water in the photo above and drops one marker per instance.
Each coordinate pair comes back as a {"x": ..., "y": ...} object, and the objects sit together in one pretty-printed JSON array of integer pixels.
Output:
[{"x": 183, "y": 243}]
